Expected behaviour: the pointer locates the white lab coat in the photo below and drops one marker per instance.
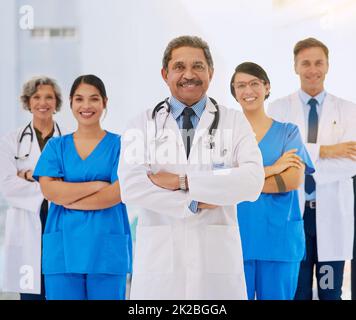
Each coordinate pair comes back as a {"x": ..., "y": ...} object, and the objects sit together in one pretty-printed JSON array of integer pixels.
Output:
[
  {"x": 22, "y": 242},
  {"x": 181, "y": 255},
  {"x": 333, "y": 177}
]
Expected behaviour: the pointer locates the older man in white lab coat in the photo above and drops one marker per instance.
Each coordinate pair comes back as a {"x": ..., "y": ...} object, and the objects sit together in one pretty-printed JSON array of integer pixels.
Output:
[
  {"x": 187, "y": 163},
  {"x": 327, "y": 124}
]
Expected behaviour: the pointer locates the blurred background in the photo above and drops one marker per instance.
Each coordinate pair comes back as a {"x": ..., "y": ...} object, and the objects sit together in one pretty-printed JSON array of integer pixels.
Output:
[{"x": 122, "y": 42}]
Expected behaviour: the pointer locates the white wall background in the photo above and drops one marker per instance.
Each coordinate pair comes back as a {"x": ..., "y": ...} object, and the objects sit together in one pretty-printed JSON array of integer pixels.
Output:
[
  {"x": 8, "y": 65},
  {"x": 123, "y": 42}
]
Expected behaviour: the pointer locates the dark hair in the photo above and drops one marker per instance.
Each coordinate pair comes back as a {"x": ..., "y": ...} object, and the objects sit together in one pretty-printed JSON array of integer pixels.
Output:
[
  {"x": 252, "y": 69},
  {"x": 91, "y": 80},
  {"x": 187, "y": 41},
  {"x": 310, "y": 43}
]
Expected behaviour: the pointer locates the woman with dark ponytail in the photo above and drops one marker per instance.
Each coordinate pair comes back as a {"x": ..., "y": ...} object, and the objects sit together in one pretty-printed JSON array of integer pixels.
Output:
[{"x": 87, "y": 240}]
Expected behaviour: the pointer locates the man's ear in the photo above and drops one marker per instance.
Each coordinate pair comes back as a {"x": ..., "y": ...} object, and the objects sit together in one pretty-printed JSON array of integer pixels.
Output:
[
  {"x": 211, "y": 73},
  {"x": 164, "y": 74}
]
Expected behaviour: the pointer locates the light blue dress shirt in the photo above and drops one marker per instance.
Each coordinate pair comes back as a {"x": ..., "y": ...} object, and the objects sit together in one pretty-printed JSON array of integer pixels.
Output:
[
  {"x": 177, "y": 108},
  {"x": 304, "y": 97}
]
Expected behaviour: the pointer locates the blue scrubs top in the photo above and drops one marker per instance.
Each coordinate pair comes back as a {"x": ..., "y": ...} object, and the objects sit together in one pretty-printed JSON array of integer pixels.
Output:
[
  {"x": 272, "y": 227},
  {"x": 78, "y": 241}
]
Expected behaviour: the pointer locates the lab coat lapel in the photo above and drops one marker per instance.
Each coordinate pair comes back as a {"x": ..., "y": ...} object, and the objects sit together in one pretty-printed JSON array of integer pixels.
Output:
[
  {"x": 173, "y": 126},
  {"x": 328, "y": 116},
  {"x": 204, "y": 123},
  {"x": 56, "y": 133},
  {"x": 36, "y": 147},
  {"x": 27, "y": 147},
  {"x": 36, "y": 151},
  {"x": 297, "y": 114}
]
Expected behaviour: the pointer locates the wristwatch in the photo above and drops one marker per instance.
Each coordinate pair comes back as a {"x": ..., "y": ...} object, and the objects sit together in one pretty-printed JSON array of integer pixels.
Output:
[{"x": 182, "y": 184}]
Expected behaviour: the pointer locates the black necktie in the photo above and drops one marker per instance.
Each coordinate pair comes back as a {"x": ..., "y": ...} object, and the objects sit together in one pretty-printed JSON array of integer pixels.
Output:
[
  {"x": 312, "y": 136},
  {"x": 188, "y": 130}
]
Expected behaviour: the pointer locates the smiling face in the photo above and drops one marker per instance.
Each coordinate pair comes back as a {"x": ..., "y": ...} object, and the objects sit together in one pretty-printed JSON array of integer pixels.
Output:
[
  {"x": 188, "y": 75},
  {"x": 87, "y": 105},
  {"x": 311, "y": 65},
  {"x": 250, "y": 91},
  {"x": 42, "y": 103}
]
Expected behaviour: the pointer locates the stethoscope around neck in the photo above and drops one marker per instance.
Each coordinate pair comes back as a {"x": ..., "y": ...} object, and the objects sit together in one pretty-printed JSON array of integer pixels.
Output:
[
  {"x": 28, "y": 131},
  {"x": 212, "y": 128}
]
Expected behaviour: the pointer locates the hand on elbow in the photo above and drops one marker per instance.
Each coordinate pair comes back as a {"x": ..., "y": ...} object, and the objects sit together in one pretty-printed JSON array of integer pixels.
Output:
[
  {"x": 340, "y": 150},
  {"x": 293, "y": 186},
  {"x": 294, "y": 178},
  {"x": 294, "y": 182},
  {"x": 288, "y": 160},
  {"x": 203, "y": 205},
  {"x": 56, "y": 200},
  {"x": 165, "y": 180}
]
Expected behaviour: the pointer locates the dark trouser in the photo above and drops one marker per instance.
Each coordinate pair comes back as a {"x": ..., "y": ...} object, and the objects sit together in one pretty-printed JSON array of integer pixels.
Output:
[
  {"x": 42, "y": 296},
  {"x": 329, "y": 274},
  {"x": 353, "y": 261}
]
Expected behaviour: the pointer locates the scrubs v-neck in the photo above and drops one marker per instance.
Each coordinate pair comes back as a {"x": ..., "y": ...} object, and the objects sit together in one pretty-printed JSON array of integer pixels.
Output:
[
  {"x": 79, "y": 241},
  {"x": 272, "y": 227}
]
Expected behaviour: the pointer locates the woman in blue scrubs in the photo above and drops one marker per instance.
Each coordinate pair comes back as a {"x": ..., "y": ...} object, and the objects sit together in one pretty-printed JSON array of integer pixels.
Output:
[
  {"x": 271, "y": 228},
  {"x": 87, "y": 240}
]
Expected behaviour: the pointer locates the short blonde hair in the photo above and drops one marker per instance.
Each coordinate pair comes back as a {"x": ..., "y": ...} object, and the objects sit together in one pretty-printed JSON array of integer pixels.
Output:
[{"x": 30, "y": 88}]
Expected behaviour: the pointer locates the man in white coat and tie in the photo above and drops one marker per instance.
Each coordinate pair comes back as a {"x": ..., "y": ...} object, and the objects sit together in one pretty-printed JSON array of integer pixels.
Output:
[
  {"x": 327, "y": 124},
  {"x": 187, "y": 163}
]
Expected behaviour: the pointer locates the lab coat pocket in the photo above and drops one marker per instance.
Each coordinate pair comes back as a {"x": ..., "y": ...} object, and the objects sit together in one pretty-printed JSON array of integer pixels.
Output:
[
  {"x": 335, "y": 133},
  {"x": 154, "y": 249},
  {"x": 294, "y": 241},
  {"x": 343, "y": 198},
  {"x": 223, "y": 254},
  {"x": 15, "y": 226},
  {"x": 53, "y": 253}
]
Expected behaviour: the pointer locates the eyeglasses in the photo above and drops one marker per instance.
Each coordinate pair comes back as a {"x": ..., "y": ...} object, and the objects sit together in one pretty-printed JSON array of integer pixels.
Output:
[{"x": 254, "y": 84}]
